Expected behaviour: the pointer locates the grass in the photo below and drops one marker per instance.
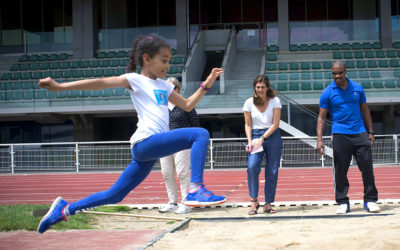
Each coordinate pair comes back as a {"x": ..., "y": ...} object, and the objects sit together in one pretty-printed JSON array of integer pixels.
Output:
[{"x": 20, "y": 217}]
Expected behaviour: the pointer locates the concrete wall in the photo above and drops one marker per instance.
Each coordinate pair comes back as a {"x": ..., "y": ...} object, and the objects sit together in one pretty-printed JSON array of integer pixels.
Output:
[
  {"x": 229, "y": 58},
  {"x": 194, "y": 65},
  {"x": 216, "y": 39}
]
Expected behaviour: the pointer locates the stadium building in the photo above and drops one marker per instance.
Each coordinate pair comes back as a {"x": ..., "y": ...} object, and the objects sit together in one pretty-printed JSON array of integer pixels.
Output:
[{"x": 294, "y": 42}]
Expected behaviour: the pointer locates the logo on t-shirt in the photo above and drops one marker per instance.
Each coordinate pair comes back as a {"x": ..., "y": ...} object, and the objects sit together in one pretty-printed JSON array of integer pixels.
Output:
[{"x": 161, "y": 96}]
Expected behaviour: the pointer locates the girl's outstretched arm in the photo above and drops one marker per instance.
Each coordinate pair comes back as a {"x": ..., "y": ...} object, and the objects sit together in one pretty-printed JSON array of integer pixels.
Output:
[
  {"x": 189, "y": 103},
  {"x": 89, "y": 84}
]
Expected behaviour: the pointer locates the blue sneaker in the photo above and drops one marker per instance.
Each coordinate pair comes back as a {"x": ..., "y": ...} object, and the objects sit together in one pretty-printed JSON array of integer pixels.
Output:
[
  {"x": 53, "y": 216},
  {"x": 203, "y": 197}
]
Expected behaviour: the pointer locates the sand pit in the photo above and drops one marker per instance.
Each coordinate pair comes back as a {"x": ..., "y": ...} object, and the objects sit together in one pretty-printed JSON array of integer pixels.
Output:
[{"x": 284, "y": 230}]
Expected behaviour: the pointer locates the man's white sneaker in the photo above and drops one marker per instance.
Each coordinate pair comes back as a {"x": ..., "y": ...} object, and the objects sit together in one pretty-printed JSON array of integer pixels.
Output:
[
  {"x": 182, "y": 209},
  {"x": 343, "y": 208},
  {"x": 371, "y": 207},
  {"x": 168, "y": 208}
]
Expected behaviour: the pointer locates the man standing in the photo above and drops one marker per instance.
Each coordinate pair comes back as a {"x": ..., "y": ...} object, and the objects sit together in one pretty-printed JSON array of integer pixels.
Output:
[{"x": 346, "y": 102}]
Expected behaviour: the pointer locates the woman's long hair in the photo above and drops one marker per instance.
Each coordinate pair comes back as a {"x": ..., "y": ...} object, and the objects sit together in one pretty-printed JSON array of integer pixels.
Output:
[{"x": 270, "y": 92}]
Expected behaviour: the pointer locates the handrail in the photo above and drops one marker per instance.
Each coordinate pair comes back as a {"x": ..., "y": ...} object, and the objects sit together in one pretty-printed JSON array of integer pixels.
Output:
[
  {"x": 223, "y": 152},
  {"x": 225, "y": 60},
  {"x": 300, "y": 106}
]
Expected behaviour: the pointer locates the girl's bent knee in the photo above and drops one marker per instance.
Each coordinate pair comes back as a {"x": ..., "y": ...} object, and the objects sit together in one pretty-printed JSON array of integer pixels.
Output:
[{"x": 202, "y": 132}]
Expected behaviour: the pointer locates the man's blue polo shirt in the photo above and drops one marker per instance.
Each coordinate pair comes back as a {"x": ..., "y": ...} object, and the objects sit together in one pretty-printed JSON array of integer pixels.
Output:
[{"x": 344, "y": 107}]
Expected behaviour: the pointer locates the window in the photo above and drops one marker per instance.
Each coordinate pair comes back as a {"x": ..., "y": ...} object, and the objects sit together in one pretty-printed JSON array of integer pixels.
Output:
[
  {"x": 252, "y": 11},
  {"x": 231, "y": 11},
  {"x": 11, "y": 33}
]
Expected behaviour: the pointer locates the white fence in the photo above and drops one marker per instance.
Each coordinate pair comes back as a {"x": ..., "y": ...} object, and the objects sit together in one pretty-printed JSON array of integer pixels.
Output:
[{"x": 115, "y": 156}]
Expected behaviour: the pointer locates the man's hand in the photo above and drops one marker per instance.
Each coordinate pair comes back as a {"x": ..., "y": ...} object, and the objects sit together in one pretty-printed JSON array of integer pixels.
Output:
[{"x": 321, "y": 147}]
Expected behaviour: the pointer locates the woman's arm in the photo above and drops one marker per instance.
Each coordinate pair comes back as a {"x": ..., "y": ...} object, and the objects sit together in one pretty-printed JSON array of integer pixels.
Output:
[
  {"x": 189, "y": 103},
  {"x": 248, "y": 129},
  {"x": 88, "y": 84}
]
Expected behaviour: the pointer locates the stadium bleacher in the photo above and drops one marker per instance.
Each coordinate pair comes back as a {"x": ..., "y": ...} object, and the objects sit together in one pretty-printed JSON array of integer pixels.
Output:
[
  {"x": 367, "y": 63},
  {"x": 20, "y": 82},
  {"x": 294, "y": 71}
]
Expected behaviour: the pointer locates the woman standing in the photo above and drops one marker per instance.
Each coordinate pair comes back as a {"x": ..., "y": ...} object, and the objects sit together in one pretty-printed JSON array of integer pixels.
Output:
[
  {"x": 179, "y": 162},
  {"x": 262, "y": 114}
]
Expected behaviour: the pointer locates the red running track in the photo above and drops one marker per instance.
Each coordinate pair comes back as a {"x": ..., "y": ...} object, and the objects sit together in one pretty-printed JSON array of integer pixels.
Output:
[{"x": 294, "y": 185}]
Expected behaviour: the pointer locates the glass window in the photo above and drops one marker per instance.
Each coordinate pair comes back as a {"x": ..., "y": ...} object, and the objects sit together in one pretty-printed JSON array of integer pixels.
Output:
[
  {"x": 11, "y": 33},
  {"x": 210, "y": 11},
  {"x": 57, "y": 132},
  {"x": 338, "y": 10},
  {"x": 68, "y": 13},
  {"x": 53, "y": 16},
  {"x": 194, "y": 11},
  {"x": 231, "y": 11},
  {"x": 297, "y": 10},
  {"x": 32, "y": 15},
  {"x": 316, "y": 10},
  {"x": 395, "y": 20},
  {"x": 167, "y": 12},
  {"x": 271, "y": 17},
  {"x": 252, "y": 11},
  {"x": 271, "y": 10},
  {"x": 131, "y": 10},
  {"x": 147, "y": 13},
  {"x": 333, "y": 20}
]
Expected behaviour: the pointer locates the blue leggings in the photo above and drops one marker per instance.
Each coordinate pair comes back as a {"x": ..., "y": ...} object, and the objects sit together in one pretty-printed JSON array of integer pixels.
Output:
[{"x": 144, "y": 155}]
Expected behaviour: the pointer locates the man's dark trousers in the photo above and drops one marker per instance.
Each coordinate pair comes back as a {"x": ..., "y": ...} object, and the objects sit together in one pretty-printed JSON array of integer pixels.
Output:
[{"x": 344, "y": 146}]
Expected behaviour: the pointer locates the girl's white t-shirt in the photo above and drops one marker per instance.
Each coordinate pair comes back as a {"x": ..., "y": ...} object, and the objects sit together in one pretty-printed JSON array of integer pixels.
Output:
[
  {"x": 265, "y": 119},
  {"x": 150, "y": 98}
]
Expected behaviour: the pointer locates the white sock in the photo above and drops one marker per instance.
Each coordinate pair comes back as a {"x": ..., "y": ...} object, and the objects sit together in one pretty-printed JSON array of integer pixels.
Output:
[
  {"x": 66, "y": 211},
  {"x": 194, "y": 187}
]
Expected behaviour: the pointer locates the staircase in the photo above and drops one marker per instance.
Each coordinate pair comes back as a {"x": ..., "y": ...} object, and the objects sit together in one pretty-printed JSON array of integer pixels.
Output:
[{"x": 247, "y": 65}]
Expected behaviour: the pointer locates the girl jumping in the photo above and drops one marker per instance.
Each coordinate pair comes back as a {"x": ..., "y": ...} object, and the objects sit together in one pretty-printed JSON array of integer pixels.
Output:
[{"x": 152, "y": 139}]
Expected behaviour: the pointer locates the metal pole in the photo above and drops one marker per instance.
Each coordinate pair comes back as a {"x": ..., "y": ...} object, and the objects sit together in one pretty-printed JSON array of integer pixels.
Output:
[
  {"x": 288, "y": 113},
  {"x": 396, "y": 148},
  {"x": 211, "y": 155},
  {"x": 77, "y": 157},
  {"x": 12, "y": 158}
]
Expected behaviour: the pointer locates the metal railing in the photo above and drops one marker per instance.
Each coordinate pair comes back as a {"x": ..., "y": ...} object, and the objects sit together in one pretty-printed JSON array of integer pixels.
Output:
[{"x": 116, "y": 155}]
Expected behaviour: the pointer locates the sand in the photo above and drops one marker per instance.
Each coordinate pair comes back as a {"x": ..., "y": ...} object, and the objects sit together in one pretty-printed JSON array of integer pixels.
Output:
[{"x": 288, "y": 229}]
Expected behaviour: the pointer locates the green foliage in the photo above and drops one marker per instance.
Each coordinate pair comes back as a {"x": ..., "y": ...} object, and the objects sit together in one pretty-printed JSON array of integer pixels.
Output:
[{"x": 20, "y": 217}]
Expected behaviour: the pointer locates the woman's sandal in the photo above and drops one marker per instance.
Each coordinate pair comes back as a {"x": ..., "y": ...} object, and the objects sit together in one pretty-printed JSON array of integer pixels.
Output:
[
  {"x": 270, "y": 210},
  {"x": 254, "y": 212}
]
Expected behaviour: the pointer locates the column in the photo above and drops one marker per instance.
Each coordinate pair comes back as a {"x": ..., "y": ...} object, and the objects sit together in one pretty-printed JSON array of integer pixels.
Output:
[
  {"x": 181, "y": 26},
  {"x": 85, "y": 28},
  {"x": 385, "y": 24},
  {"x": 283, "y": 25}
]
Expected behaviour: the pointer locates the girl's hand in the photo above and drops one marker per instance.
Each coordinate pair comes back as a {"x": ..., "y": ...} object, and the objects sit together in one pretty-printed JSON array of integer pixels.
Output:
[
  {"x": 215, "y": 72},
  {"x": 49, "y": 84}
]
